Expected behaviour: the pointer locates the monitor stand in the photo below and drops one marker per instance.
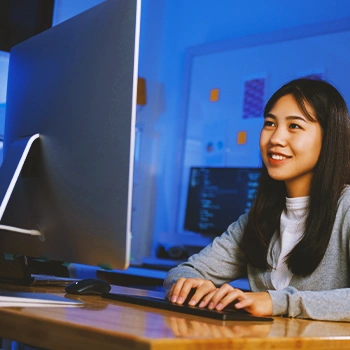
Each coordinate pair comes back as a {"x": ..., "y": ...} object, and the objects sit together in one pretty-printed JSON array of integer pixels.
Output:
[
  {"x": 14, "y": 269},
  {"x": 12, "y": 166},
  {"x": 22, "y": 157}
]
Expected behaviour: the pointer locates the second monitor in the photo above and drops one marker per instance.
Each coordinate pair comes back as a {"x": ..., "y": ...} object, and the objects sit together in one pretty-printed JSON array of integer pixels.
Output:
[{"x": 218, "y": 196}]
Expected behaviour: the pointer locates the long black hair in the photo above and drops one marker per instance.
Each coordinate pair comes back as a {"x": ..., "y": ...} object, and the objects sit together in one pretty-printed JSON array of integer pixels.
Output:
[{"x": 331, "y": 173}]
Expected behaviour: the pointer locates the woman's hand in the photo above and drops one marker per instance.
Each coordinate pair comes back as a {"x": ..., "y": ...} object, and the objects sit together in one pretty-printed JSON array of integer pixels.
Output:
[
  {"x": 258, "y": 304},
  {"x": 185, "y": 286}
]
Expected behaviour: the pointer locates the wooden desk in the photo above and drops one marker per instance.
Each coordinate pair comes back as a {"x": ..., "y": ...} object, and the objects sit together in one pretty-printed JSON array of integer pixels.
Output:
[{"x": 105, "y": 324}]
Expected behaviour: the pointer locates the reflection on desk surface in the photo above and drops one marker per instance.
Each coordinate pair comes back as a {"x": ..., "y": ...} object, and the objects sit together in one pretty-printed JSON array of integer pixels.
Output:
[
  {"x": 281, "y": 327},
  {"x": 185, "y": 328}
]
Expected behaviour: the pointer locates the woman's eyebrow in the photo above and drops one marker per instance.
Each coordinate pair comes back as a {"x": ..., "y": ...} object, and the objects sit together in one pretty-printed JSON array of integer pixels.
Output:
[
  {"x": 290, "y": 117},
  {"x": 296, "y": 117}
]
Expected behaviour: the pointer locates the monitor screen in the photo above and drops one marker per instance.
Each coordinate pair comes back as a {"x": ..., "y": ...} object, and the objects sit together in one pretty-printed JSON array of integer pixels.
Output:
[
  {"x": 75, "y": 86},
  {"x": 218, "y": 196}
]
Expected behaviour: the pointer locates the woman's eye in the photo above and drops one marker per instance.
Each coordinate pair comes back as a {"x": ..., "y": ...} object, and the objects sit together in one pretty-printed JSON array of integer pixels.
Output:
[
  {"x": 268, "y": 123},
  {"x": 294, "y": 126}
]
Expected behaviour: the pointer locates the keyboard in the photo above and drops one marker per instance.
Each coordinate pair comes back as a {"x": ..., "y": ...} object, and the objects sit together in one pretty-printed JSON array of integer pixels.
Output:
[{"x": 164, "y": 304}]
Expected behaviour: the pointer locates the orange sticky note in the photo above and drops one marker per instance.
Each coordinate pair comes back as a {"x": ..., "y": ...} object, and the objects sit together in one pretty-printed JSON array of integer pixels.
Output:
[
  {"x": 214, "y": 95},
  {"x": 241, "y": 137}
]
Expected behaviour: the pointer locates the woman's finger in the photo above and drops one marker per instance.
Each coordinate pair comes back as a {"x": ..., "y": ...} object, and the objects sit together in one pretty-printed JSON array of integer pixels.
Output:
[
  {"x": 223, "y": 296},
  {"x": 176, "y": 289},
  {"x": 226, "y": 295},
  {"x": 185, "y": 287},
  {"x": 206, "y": 299},
  {"x": 206, "y": 287}
]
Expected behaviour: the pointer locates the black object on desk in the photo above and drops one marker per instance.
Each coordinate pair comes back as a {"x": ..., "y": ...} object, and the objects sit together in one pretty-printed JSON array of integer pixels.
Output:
[
  {"x": 88, "y": 286},
  {"x": 224, "y": 315}
]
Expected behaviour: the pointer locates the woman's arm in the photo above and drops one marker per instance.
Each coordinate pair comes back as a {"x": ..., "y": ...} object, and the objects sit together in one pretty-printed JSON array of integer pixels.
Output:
[
  {"x": 220, "y": 262},
  {"x": 328, "y": 305}
]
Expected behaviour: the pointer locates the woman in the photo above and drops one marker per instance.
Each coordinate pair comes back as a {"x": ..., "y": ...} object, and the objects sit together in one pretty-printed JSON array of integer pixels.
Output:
[{"x": 294, "y": 243}]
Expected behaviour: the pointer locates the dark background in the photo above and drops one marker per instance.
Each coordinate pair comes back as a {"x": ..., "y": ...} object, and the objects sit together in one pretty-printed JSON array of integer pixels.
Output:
[{"x": 21, "y": 19}]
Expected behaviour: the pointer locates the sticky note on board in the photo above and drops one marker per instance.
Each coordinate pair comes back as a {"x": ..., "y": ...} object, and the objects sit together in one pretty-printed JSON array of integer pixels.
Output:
[
  {"x": 214, "y": 95},
  {"x": 241, "y": 137}
]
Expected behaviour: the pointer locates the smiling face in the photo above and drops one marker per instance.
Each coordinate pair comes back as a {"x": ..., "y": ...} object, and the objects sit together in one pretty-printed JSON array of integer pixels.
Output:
[{"x": 290, "y": 145}]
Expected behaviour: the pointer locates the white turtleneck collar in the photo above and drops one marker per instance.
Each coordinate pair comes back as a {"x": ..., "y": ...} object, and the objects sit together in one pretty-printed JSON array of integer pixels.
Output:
[{"x": 292, "y": 226}]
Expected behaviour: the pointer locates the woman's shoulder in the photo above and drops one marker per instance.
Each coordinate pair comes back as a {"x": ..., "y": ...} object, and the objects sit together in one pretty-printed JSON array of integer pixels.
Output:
[
  {"x": 342, "y": 219},
  {"x": 345, "y": 195},
  {"x": 344, "y": 200},
  {"x": 237, "y": 227}
]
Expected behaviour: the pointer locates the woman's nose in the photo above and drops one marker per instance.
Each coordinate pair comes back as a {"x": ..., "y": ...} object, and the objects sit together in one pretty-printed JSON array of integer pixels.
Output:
[{"x": 279, "y": 137}]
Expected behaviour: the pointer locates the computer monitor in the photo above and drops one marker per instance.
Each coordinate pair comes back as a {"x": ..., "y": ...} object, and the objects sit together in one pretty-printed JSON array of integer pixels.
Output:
[
  {"x": 216, "y": 197},
  {"x": 72, "y": 94}
]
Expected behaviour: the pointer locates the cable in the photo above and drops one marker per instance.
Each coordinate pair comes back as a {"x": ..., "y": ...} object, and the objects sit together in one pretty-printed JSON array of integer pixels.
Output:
[{"x": 20, "y": 230}]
